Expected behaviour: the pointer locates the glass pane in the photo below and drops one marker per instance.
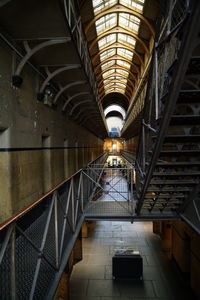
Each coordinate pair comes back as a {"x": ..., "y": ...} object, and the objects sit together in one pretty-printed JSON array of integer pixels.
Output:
[
  {"x": 129, "y": 21},
  {"x": 107, "y": 40},
  {"x": 127, "y": 39},
  {"x": 106, "y": 22},
  {"x": 136, "y": 5},
  {"x": 100, "y": 5},
  {"x": 123, "y": 63},
  {"x": 108, "y": 64},
  {"x": 125, "y": 53},
  {"x": 106, "y": 54}
]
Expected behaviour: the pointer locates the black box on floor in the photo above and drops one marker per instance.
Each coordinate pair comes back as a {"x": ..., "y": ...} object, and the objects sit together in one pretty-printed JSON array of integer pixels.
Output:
[{"x": 127, "y": 263}]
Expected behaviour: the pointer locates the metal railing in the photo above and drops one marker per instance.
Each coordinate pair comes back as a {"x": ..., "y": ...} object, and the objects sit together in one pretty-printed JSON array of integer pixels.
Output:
[{"x": 36, "y": 243}]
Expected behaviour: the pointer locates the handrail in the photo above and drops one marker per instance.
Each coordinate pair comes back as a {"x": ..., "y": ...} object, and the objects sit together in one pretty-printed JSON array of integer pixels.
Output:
[
  {"x": 36, "y": 202},
  {"x": 40, "y": 242}
]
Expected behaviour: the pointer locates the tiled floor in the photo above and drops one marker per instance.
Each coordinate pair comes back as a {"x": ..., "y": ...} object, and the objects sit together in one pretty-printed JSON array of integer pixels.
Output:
[{"x": 92, "y": 277}]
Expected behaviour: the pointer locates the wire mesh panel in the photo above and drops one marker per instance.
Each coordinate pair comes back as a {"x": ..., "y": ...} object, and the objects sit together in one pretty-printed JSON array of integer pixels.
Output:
[
  {"x": 34, "y": 248},
  {"x": 113, "y": 193}
]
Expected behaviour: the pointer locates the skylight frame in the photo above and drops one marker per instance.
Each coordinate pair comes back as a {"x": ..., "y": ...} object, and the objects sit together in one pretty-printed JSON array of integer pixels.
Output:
[
  {"x": 133, "y": 4},
  {"x": 101, "y": 5},
  {"x": 106, "y": 22},
  {"x": 126, "y": 20},
  {"x": 107, "y": 40}
]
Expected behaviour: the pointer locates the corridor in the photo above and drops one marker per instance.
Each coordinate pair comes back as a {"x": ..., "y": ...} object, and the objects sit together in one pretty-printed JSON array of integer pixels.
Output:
[{"x": 92, "y": 278}]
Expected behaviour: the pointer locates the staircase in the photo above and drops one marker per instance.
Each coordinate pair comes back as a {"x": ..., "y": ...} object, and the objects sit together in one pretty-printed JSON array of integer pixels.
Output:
[{"x": 168, "y": 158}]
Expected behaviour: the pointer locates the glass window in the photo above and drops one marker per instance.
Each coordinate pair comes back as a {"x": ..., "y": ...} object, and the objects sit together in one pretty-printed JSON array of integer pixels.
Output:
[
  {"x": 129, "y": 21},
  {"x": 123, "y": 63},
  {"x": 136, "y": 5},
  {"x": 100, "y": 5},
  {"x": 107, "y": 65},
  {"x": 106, "y": 22},
  {"x": 106, "y": 54},
  {"x": 127, "y": 39},
  {"x": 125, "y": 53},
  {"x": 107, "y": 40}
]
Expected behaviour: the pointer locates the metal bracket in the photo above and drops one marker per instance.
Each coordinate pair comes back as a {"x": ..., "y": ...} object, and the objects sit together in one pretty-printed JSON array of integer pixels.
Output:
[
  {"x": 149, "y": 127},
  {"x": 17, "y": 79},
  {"x": 40, "y": 95},
  {"x": 79, "y": 103},
  {"x": 62, "y": 89},
  {"x": 74, "y": 96}
]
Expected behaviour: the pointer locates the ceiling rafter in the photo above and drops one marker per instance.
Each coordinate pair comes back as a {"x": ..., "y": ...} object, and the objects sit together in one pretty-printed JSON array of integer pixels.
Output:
[
  {"x": 117, "y": 57},
  {"x": 117, "y": 83},
  {"x": 117, "y": 45},
  {"x": 120, "y": 9},
  {"x": 129, "y": 82},
  {"x": 120, "y": 68},
  {"x": 119, "y": 29}
]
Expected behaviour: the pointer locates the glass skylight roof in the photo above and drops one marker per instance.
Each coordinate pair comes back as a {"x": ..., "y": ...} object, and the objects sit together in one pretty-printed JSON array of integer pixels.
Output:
[{"x": 117, "y": 61}]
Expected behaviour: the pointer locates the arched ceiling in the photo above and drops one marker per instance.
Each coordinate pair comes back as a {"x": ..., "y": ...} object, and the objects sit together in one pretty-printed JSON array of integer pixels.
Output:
[
  {"x": 118, "y": 34},
  {"x": 114, "y": 113}
]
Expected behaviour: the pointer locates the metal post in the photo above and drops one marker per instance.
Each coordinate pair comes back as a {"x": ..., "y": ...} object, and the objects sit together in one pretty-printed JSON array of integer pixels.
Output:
[
  {"x": 39, "y": 260},
  {"x": 169, "y": 17},
  {"x": 143, "y": 147},
  {"x": 82, "y": 206},
  {"x": 156, "y": 82},
  {"x": 73, "y": 212},
  {"x": 13, "y": 264},
  {"x": 56, "y": 230},
  {"x": 132, "y": 210}
]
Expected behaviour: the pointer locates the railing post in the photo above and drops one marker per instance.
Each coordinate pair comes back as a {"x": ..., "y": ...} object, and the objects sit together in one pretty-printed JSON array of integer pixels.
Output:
[
  {"x": 56, "y": 230},
  {"x": 156, "y": 82},
  {"x": 13, "y": 263},
  {"x": 143, "y": 146},
  {"x": 169, "y": 23},
  {"x": 73, "y": 208},
  {"x": 82, "y": 192},
  {"x": 132, "y": 208}
]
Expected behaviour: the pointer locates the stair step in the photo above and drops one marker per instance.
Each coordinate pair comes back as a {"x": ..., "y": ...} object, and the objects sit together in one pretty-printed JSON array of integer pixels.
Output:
[
  {"x": 172, "y": 182},
  {"x": 194, "y": 65},
  {"x": 178, "y": 153},
  {"x": 176, "y": 174},
  {"x": 169, "y": 189},
  {"x": 171, "y": 197},
  {"x": 178, "y": 164},
  {"x": 189, "y": 96},
  {"x": 182, "y": 138},
  {"x": 185, "y": 120}
]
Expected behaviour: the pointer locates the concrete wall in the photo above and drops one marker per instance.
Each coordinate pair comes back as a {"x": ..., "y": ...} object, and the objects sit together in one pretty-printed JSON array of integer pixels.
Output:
[{"x": 39, "y": 147}]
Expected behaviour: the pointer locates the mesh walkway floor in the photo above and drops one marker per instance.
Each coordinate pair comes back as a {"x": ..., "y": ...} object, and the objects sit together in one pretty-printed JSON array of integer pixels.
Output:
[
  {"x": 108, "y": 209},
  {"x": 114, "y": 199}
]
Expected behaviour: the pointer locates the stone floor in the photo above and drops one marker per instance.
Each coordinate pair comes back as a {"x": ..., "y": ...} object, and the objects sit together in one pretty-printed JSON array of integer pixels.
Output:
[{"x": 92, "y": 278}]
